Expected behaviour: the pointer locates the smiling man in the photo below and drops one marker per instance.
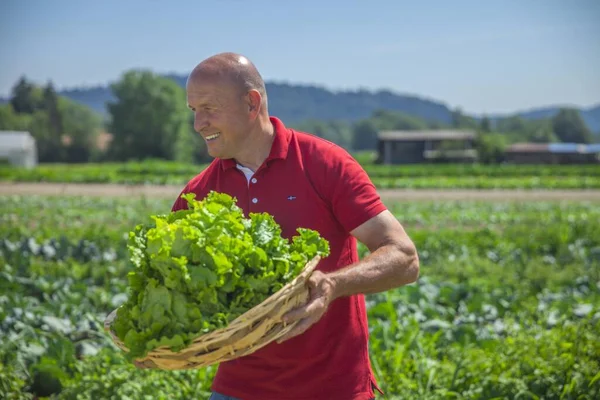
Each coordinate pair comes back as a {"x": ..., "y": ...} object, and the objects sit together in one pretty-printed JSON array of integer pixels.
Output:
[{"x": 303, "y": 181}]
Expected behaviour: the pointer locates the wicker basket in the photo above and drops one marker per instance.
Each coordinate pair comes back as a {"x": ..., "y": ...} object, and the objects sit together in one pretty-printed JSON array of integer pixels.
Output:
[{"x": 249, "y": 332}]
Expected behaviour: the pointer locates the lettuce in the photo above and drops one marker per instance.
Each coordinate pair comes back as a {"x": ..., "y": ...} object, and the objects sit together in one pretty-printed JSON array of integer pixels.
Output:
[{"x": 198, "y": 269}]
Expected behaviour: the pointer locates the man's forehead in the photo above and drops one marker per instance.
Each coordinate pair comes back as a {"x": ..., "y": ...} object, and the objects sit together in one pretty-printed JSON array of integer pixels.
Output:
[
  {"x": 208, "y": 86},
  {"x": 203, "y": 95},
  {"x": 200, "y": 96},
  {"x": 204, "y": 87},
  {"x": 198, "y": 92}
]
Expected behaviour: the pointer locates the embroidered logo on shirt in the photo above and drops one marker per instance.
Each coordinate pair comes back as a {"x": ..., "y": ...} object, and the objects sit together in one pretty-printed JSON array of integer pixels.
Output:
[{"x": 291, "y": 198}]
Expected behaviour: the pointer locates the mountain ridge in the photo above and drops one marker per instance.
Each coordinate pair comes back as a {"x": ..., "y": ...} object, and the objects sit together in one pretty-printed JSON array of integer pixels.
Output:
[{"x": 295, "y": 103}]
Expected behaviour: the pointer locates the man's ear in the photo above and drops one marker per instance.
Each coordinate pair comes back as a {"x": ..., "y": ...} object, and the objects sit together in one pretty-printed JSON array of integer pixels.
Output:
[{"x": 254, "y": 103}]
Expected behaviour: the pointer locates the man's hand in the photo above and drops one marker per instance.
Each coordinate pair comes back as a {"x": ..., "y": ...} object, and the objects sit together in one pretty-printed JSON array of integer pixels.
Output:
[{"x": 320, "y": 295}]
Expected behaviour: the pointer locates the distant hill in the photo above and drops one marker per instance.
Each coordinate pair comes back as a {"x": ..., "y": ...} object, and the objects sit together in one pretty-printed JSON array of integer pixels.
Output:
[
  {"x": 591, "y": 115},
  {"x": 94, "y": 97},
  {"x": 297, "y": 103}
]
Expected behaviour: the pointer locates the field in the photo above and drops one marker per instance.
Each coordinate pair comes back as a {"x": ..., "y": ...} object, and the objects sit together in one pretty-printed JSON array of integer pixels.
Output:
[
  {"x": 507, "y": 305},
  {"x": 384, "y": 177}
]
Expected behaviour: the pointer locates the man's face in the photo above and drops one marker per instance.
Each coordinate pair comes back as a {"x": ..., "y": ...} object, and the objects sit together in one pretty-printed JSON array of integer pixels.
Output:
[{"x": 220, "y": 116}]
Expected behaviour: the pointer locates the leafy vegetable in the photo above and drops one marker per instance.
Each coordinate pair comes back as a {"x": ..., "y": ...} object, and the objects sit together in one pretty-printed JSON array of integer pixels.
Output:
[
  {"x": 507, "y": 306},
  {"x": 198, "y": 269}
]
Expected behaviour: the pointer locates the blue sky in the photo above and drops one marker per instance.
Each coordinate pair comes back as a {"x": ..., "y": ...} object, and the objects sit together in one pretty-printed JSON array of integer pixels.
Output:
[{"x": 483, "y": 56}]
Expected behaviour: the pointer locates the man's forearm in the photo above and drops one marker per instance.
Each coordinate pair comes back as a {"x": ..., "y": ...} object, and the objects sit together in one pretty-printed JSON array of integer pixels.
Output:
[{"x": 388, "y": 267}]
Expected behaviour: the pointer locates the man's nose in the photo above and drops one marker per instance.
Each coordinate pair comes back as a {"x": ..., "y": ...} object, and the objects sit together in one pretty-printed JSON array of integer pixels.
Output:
[{"x": 200, "y": 122}]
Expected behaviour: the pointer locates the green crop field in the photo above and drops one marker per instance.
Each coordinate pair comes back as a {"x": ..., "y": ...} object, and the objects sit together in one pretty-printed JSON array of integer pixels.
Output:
[
  {"x": 384, "y": 176},
  {"x": 507, "y": 305}
]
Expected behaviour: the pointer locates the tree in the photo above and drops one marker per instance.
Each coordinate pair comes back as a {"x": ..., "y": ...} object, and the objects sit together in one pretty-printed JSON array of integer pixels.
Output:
[
  {"x": 64, "y": 130},
  {"x": 51, "y": 134},
  {"x": 335, "y": 131},
  {"x": 149, "y": 117},
  {"x": 11, "y": 121},
  {"x": 540, "y": 131},
  {"x": 569, "y": 127},
  {"x": 341, "y": 133},
  {"x": 49, "y": 147},
  {"x": 364, "y": 135},
  {"x": 364, "y": 132},
  {"x": 51, "y": 106},
  {"x": 461, "y": 121},
  {"x": 490, "y": 147},
  {"x": 513, "y": 124},
  {"x": 485, "y": 125},
  {"x": 24, "y": 98},
  {"x": 518, "y": 129},
  {"x": 190, "y": 147},
  {"x": 82, "y": 127},
  {"x": 395, "y": 120}
]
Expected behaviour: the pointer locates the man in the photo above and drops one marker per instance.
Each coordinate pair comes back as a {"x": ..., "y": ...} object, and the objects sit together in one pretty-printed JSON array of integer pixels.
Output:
[{"x": 303, "y": 181}]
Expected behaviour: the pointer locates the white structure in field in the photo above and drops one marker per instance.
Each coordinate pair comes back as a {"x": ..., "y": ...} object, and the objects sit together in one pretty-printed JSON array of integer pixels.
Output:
[{"x": 18, "y": 148}]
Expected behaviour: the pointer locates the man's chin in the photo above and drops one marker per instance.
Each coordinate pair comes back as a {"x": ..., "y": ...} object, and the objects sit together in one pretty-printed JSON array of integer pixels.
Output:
[
  {"x": 213, "y": 153},
  {"x": 221, "y": 156}
]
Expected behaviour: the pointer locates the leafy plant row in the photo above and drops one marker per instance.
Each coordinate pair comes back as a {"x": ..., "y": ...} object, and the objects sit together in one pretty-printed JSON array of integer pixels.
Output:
[
  {"x": 482, "y": 182},
  {"x": 384, "y": 176},
  {"x": 507, "y": 306},
  {"x": 481, "y": 170}
]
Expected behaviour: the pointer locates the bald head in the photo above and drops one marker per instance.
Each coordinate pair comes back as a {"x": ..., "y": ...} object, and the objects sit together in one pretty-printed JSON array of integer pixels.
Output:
[
  {"x": 230, "y": 69},
  {"x": 228, "y": 98}
]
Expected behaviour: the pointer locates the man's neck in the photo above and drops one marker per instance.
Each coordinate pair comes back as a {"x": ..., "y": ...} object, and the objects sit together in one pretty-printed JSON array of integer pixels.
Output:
[{"x": 257, "y": 151}]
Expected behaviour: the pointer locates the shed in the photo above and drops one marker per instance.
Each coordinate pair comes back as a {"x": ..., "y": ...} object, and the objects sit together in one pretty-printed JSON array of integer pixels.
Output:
[
  {"x": 19, "y": 148},
  {"x": 552, "y": 153},
  {"x": 408, "y": 147},
  {"x": 593, "y": 148}
]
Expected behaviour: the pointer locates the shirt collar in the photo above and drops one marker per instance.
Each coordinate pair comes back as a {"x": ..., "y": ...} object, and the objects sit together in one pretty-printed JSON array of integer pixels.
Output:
[{"x": 279, "y": 148}]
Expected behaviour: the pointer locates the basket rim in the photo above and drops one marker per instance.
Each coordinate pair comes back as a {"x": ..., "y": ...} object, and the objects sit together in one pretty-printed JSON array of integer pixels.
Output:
[{"x": 242, "y": 320}]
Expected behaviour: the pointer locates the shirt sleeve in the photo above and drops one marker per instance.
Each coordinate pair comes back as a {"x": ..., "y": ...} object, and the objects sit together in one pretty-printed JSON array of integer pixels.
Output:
[
  {"x": 180, "y": 203},
  {"x": 349, "y": 190},
  {"x": 195, "y": 185}
]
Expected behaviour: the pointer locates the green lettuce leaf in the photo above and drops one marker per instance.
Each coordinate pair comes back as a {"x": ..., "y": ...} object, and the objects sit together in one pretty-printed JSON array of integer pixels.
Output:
[{"x": 198, "y": 269}]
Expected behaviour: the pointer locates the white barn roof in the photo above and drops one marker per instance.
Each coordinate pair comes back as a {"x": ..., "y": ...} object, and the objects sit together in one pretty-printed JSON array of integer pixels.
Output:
[
  {"x": 18, "y": 147},
  {"x": 15, "y": 140}
]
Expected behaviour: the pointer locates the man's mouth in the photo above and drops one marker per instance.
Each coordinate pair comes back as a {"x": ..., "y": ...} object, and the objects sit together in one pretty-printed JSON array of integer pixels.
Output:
[{"x": 213, "y": 136}]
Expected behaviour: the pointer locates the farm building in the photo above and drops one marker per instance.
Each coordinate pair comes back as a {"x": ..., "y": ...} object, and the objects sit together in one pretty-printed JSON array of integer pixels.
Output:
[
  {"x": 409, "y": 147},
  {"x": 18, "y": 148},
  {"x": 553, "y": 153}
]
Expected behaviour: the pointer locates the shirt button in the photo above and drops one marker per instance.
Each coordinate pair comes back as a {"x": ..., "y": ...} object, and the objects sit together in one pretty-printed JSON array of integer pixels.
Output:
[
  {"x": 255, "y": 200},
  {"x": 253, "y": 180}
]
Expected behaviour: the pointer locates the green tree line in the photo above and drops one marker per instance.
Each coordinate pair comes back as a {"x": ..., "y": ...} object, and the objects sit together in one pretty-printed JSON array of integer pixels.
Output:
[
  {"x": 493, "y": 137},
  {"x": 149, "y": 119},
  {"x": 64, "y": 130}
]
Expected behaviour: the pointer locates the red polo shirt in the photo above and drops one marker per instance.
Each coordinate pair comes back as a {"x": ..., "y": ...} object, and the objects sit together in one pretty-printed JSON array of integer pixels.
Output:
[{"x": 306, "y": 182}]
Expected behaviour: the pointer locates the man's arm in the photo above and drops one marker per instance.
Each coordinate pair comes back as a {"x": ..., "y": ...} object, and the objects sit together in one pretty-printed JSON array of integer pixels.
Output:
[{"x": 393, "y": 262}]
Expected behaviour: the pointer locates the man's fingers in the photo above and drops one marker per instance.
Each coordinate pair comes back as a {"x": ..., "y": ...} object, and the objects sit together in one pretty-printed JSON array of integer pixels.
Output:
[
  {"x": 303, "y": 311},
  {"x": 308, "y": 313},
  {"x": 296, "y": 314},
  {"x": 298, "y": 329}
]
